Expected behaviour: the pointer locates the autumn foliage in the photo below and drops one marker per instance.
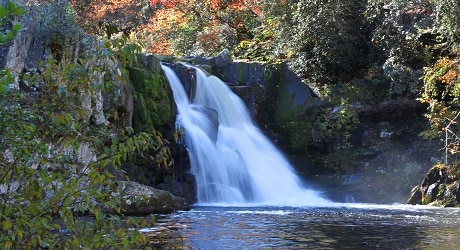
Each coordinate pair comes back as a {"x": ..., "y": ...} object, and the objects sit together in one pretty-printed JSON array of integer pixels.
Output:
[
  {"x": 171, "y": 26},
  {"x": 166, "y": 3},
  {"x": 110, "y": 16},
  {"x": 442, "y": 94}
]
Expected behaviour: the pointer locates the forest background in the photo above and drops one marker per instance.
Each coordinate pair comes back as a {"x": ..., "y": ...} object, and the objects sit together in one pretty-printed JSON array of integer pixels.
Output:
[
  {"x": 350, "y": 53},
  {"x": 397, "y": 49}
]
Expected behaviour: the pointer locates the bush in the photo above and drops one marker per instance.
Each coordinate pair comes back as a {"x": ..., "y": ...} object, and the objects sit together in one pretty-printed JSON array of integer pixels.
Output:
[
  {"x": 442, "y": 93},
  {"x": 448, "y": 22},
  {"x": 56, "y": 165},
  {"x": 326, "y": 41}
]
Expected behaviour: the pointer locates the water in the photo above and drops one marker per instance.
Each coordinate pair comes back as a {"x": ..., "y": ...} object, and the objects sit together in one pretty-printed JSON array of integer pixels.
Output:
[
  {"x": 233, "y": 162},
  {"x": 350, "y": 226},
  {"x": 249, "y": 196}
]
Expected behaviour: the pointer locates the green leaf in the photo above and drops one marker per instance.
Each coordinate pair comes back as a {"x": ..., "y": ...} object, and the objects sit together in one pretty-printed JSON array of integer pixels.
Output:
[
  {"x": 17, "y": 27},
  {"x": 3, "y": 12},
  {"x": 11, "y": 5},
  {"x": 114, "y": 140},
  {"x": 18, "y": 11},
  {"x": 7, "y": 225},
  {"x": 3, "y": 89}
]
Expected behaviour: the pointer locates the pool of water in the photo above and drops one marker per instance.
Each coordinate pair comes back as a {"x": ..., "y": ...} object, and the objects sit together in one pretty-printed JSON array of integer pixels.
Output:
[{"x": 348, "y": 226}]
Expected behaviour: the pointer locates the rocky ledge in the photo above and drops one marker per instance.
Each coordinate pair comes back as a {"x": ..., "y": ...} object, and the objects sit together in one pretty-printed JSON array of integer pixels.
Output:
[
  {"x": 137, "y": 199},
  {"x": 439, "y": 188}
]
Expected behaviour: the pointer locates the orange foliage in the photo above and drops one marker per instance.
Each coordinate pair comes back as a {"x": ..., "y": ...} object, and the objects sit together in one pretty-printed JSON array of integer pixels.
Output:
[
  {"x": 237, "y": 5},
  {"x": 121, "y": 14},
  {"x": 154, "y": 22},
  {"x": 159, "y": 28},
  {"x": 452, "y": 76},
  {"x": 212, "y": 13},
  {"x": 209, "y": 40},
  {"x": 166, "y": 3}
]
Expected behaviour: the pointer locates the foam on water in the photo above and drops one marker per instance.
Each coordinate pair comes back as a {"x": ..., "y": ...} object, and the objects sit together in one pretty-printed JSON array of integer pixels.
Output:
[{"x": 240, "y": 166}]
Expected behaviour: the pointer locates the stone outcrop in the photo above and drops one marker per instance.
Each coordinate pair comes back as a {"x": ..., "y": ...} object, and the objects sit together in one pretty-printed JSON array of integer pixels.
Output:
[
  {"x": 391, "y": 155},
  {"x": 386, "y": 156},
  {"x": 50, "y": 34},
  {"x": 439, "y": 188},
  {"x": 138, "y": 199},
  {"x": 153, "y": 102}
]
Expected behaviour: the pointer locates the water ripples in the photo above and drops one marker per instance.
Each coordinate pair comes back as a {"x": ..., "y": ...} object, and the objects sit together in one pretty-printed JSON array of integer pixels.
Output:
[{"x": 347, "y": 227}]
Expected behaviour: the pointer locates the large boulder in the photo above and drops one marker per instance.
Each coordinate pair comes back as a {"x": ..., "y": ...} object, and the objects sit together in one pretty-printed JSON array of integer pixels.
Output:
[
  {"x": 138, "y": 199},
  {"x": 253, "y": 82},
  {"x": 440, "y": 187},
  {"x": 50, "y": 33}
]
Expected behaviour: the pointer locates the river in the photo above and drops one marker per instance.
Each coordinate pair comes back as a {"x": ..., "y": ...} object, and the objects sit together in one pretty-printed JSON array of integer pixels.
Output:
[{"x": 346, "y": 226}]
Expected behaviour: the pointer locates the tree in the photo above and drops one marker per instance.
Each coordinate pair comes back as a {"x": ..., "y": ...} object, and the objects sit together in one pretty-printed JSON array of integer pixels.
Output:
[
  {"x": 448, "y": 22},
  {"x": 441, "y": 89},
  {"x": 108, "y": 17},
  {"x": 441, "y": 93},
  {"x": 208, "y": 27},
  {"x": 57, "y": 166},
  {"x": 328, "y": 40}
]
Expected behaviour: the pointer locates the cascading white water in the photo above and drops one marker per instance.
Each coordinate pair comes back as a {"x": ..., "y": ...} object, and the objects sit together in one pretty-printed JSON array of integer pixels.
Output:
[{"x": 233, "y": 162}]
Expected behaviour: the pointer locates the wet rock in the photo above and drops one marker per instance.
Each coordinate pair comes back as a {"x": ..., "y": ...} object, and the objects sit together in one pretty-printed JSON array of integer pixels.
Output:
[
  {"x": 138, "y": 199},
  {"x": 151, "y": 92},
  {"x": 223, "y": 59},
  {"x": 212, "y": 121},
  {"x": 294, "y": 100},
  {"x": 187, "y": 77},
  {"x": 439, "y": 188},
  {"x": 391, "y": 155},
  {"x": 430, "y": 185},
  {"x": 415, "y": 197},
  {"x": 183, "y": 186},
  {"x": 351, "y": 179}
]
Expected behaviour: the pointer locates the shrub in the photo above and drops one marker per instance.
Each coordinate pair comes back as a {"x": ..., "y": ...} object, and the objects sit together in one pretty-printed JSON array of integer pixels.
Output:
[
  {"x": 442, "y": 92},
  {"x": 56, "y": 165}
]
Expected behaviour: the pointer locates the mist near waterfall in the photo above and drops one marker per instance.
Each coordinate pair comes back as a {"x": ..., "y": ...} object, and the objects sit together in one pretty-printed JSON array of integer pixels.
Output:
[{"x": 233, "y": 161}]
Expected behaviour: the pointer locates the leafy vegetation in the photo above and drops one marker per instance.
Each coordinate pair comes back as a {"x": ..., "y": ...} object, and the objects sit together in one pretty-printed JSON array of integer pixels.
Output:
[
  {"x": 57, "y": 161},
  {"x": 441, "y": 93},
  {"x": 152, "y": 104},
  {"x": 352, "y": 52},
  {"x": 9, "y": 26},
  {"x": 447, "y": 20}
]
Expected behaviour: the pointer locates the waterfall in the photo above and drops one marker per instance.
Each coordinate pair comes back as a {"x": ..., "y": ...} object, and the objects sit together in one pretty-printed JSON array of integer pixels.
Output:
[{"x": 233, "y": 162}]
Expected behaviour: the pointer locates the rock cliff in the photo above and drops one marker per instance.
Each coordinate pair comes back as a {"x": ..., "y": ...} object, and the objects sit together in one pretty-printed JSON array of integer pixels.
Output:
[
  {"x": 52, "y": 50},
  {"x": 380, "y": 158}
]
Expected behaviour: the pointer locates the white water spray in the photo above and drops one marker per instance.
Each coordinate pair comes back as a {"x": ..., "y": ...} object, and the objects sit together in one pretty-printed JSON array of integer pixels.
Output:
[{"x": 233, "y": 162}]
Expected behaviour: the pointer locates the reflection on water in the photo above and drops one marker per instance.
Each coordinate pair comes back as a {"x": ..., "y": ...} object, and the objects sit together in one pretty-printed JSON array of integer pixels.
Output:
[{"x": 349, "y": 227}]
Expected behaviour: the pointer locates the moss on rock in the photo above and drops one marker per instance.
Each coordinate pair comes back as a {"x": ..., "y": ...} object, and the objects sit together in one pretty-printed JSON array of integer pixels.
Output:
[
  {"x": 152, "y": 98},
  {"x": 441, "y": 187},
  {"x": 298, "y": 135}
]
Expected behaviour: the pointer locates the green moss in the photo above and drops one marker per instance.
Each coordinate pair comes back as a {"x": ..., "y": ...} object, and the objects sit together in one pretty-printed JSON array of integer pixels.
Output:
[
  {"x": 243, "y": 73},
  {"x": 298, "y": 135},
  {"x": 285, "y": 109},
  {"x": 152, "y": 99}
]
